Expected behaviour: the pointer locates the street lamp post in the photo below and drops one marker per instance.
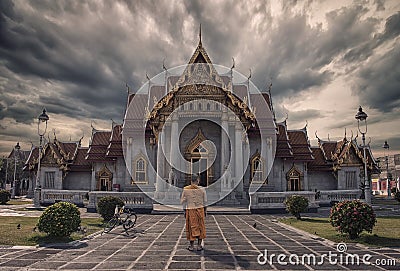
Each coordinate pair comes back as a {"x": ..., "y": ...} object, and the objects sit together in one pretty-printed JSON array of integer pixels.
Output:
[
  {"x": 361, "y": 116},
  {"x": 386, "y": 147},
  {"x": 42, "y": 127},
  {"x": 16, "y": 150}
]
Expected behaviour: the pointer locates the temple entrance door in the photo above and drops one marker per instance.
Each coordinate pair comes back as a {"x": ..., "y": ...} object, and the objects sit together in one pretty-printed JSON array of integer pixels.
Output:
[
  {"x": 201, "y": 156},
  {"x": 199, "y": 167}
]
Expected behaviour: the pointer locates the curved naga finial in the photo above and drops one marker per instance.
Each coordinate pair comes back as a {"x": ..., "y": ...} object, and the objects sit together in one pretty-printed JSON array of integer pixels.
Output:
[
  {"x": 233, "y": 63},
  {"x": 317, "y": 136},
  {"x": 369, "y": 141},
  {"x": 248, "y": 78},
  {"x": 163, "y": 65},
  {"x": 147, "y": 77}
]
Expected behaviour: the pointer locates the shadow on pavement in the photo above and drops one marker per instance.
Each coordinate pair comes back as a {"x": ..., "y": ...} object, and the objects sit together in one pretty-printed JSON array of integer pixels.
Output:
[
  {"x": 224, "y": 258},
  {"x": 129, "y": 233}
]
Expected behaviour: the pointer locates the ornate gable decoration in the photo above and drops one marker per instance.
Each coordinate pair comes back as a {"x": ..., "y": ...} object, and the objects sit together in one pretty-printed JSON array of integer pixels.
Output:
[
  {"x": 294, "y": 172},
  {"x": 195, "y": 142},
  {"x": 200, "y": 55},
  {"x": 50, "y": 157},
  {"x": 199, "y": 78},
  {"x": 104, "y": 172},
  {"x": 348, "y": 155}
]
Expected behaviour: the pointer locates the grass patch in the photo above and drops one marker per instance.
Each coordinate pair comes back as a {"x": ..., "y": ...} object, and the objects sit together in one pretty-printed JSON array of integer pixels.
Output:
[
  {"x": 17, "y": 202},
  {"x": 386, "y": 232},
  {"x": 26, "y": 236}
]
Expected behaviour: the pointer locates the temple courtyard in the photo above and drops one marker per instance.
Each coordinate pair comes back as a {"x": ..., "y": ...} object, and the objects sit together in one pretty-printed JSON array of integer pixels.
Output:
[{"x": 234, "y": 242}]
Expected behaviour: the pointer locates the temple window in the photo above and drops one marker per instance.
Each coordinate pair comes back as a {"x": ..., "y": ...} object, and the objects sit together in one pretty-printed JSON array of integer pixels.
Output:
[
  {"x": 208, "y": 107},
  {"x": 199, "y": 106},
  {"x": 49, "y": 179},
  {"x": 140, "y": 171},
  {"x": 190, "y": 106},
  {"x": 216, "y": 106},
  {"x": 256, "y": 169},
  {"x": 351, "y": 179}
]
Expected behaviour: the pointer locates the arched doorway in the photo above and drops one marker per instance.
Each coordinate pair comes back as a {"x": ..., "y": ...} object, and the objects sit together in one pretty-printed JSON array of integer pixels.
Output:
[
  {"x": 294, "y": 179},
  {"x": 104, "y": 179},
  {"x": 199, "y": 153}
]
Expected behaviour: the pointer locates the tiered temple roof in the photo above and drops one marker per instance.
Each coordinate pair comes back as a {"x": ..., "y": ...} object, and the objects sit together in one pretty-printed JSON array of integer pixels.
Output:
[{"x": 68, "y": 156}]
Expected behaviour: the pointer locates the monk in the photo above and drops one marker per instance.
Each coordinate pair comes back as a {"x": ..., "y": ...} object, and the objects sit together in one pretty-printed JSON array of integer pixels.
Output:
[{"x": 194, "y": 200}]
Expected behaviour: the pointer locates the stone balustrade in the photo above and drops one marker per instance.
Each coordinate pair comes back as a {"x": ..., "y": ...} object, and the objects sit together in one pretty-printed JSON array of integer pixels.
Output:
[
  {"x": 138, "y": 201},
  {"x": 51, "y": 196},
  {"x": 326, "y": 197},
  {"x": 273, "y": 202}
]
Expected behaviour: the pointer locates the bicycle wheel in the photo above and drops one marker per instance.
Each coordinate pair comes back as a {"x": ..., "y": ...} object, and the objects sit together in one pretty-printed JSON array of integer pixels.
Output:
[
  {"x": 130, "y": 221},
  {"x": 110, "y": 224}
]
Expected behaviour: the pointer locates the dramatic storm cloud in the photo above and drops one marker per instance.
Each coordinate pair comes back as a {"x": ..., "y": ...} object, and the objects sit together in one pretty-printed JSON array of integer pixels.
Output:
[{"x": 75, "y": 57}]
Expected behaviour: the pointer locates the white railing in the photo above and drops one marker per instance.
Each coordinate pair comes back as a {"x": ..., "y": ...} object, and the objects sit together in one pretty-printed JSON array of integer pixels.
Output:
[
  {"x": 275, "y": 200},
  {"x": 328, "y": 196},
  {"x": 50, "y": 196},
  {"x": 134, "y": 200}
]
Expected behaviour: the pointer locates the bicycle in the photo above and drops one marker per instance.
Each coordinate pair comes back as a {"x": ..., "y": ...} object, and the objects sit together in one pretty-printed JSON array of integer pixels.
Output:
[{"x": 122, "y": 216}]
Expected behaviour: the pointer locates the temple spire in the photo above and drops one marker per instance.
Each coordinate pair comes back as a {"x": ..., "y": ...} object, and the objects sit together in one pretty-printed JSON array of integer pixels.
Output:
[{"x": 200, "y": 36}]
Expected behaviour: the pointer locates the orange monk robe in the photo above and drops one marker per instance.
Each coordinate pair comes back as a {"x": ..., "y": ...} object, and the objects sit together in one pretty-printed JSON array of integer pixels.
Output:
[{"x": 194, "y": 198}]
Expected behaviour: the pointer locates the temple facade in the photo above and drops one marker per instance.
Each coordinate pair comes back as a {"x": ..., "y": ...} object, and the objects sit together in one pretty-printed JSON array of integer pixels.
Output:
[{"x": 201, "y": 122}]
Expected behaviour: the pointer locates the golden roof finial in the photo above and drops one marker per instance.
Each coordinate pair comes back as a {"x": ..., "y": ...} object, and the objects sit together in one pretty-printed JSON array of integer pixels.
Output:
[{"x": 200, "y": 36}]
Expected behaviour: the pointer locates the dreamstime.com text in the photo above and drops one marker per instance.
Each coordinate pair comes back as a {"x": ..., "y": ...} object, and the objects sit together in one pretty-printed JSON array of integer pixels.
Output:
[{"x": 338, "y": 257}]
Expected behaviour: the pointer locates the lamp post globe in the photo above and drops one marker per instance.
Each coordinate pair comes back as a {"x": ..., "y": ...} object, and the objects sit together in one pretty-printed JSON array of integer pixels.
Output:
[
  {"x": 386, "y": 147},
  {"x": 42, "y": 127},
  {"x": 361, "y": 118}
]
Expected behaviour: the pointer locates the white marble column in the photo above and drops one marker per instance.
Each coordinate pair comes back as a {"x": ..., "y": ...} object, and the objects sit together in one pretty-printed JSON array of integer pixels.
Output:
[
  {"x": 160, "y": 162},
  {"x": 225, "y": 184},
  {"x": 305, "y": 176},
  {"x": 238, "y": 156},
  {"x": 174, "y": 141},
  {"x": 129, "y": 159}
]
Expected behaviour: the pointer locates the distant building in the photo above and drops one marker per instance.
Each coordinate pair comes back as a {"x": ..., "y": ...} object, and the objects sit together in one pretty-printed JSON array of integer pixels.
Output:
[
  {"x": 14, "y": 162},
  {"x": 380, "y": 181},
  {"x": 63, "y": 166}
]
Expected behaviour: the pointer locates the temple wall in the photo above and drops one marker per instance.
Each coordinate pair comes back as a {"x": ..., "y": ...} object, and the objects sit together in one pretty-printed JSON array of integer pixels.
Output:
[
  {"x": 77, "y": 181},
  {"x": 320, "y": 180}
]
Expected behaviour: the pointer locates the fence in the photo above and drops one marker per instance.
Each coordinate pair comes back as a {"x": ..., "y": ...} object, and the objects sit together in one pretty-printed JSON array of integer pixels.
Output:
[
  {"x": 138, "y": 201},
  {"x": 50, "y": 196}
]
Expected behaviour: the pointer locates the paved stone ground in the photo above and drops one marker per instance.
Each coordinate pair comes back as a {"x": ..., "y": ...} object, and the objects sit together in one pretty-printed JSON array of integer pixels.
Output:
[{"x": 233, "y": 242}]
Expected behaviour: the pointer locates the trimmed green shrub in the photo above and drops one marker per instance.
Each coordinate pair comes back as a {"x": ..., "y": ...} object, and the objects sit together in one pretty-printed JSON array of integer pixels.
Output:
[
  {"x": 4, "y": 196},
  {"x": 296, "y": 204},
  {"x": 352, "y": 217},
  {"x": 106, "y": 206},
  {"x": 60, "y": 219}
]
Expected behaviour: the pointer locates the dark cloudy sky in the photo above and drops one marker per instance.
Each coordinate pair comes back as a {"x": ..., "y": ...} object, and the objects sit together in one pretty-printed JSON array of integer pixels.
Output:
[{"x": 325, "y": 59}]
